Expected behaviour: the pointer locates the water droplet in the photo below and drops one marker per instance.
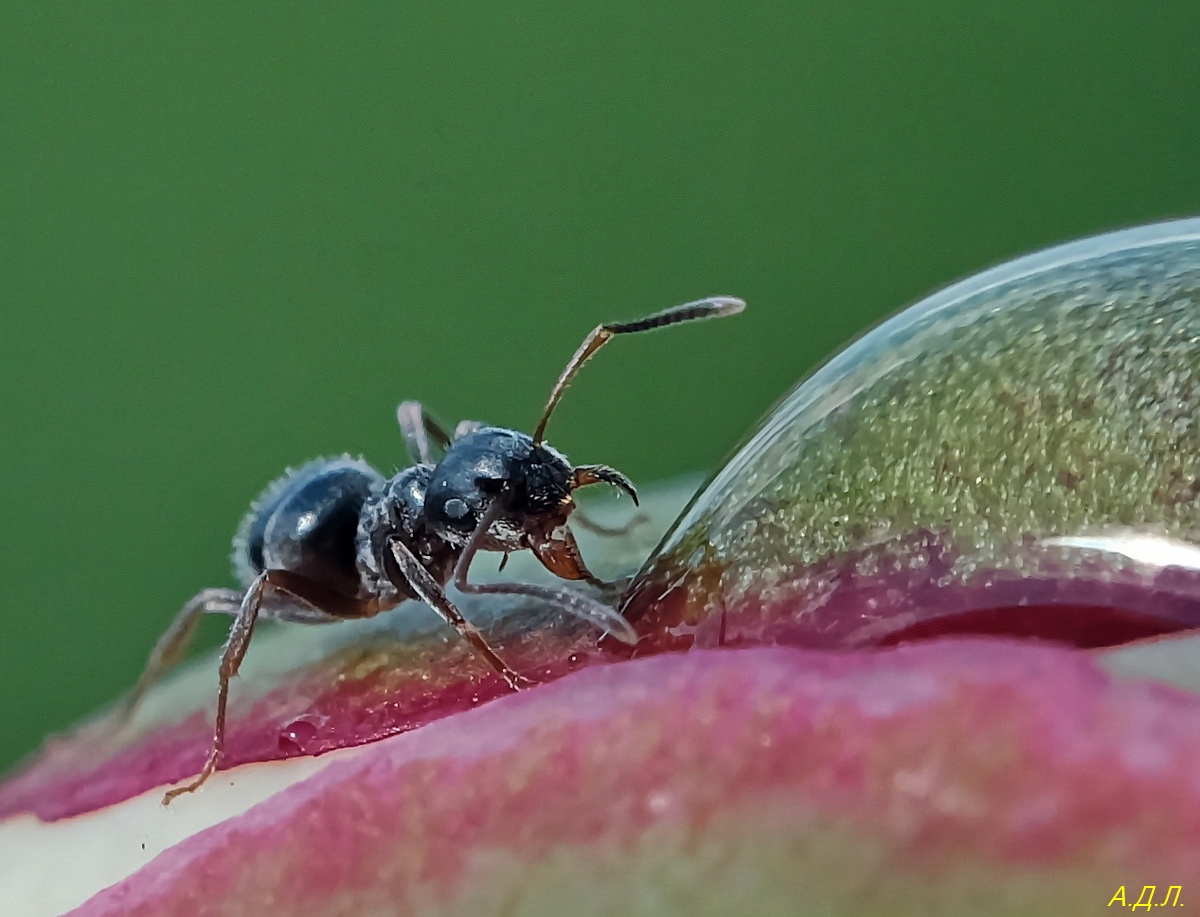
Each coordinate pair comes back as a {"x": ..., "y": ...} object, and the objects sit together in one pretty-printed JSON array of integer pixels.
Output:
[
  {"x": 1015, "y": 454},
  {"x": 297, "y": 736}
]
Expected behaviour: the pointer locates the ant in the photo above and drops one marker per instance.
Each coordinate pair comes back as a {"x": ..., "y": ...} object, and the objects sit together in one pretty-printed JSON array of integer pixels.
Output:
[{"x": 335, "y": 540}]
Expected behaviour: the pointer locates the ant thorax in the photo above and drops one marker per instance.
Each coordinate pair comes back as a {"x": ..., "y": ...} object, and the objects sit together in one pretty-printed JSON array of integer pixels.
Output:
[{"x": 396, "y": 510}]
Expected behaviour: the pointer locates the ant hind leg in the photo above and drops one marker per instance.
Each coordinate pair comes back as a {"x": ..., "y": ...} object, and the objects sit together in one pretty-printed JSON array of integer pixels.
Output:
[
  {"x": 231, "y": 660},
  {"x": 173, "y": 644}
]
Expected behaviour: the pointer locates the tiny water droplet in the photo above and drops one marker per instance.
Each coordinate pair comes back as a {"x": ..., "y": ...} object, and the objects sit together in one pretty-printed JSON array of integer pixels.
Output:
[{"x": 296, "y": 737}]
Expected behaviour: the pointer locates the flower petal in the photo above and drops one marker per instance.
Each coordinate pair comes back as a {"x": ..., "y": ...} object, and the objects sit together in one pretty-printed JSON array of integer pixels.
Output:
[{"x": 925, "y": 779}]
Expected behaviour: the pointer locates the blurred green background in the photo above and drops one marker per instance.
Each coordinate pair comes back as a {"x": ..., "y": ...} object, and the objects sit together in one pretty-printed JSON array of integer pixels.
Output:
[{"x": 233, "y": 236}]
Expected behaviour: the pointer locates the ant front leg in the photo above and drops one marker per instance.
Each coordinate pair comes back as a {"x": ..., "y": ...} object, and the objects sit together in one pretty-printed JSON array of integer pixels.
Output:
[
  {"x": 231, "y": 660},
  {"x": 172, "y": 645},
  {"x": 432, "y": 594},
  {"x": 580, "y": 606}
]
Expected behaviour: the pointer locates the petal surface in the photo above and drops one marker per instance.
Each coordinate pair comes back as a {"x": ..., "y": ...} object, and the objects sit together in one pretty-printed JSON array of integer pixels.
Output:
[{"x": 927, "y": 779}]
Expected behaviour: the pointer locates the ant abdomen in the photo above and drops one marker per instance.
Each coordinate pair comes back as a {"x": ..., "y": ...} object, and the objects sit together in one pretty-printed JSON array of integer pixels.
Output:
[{"x": 306, "y": 523}]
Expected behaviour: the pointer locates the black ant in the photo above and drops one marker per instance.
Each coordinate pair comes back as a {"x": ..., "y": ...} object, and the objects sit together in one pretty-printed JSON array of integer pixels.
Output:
[{"x": 335, "y": 540}]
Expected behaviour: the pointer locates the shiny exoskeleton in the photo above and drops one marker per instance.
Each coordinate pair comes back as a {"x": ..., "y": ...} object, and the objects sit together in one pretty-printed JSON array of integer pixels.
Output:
[{"x": 336, "y": 540}]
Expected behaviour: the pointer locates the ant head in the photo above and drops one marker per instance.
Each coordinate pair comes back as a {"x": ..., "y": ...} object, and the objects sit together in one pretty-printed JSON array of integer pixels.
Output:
[
  {"x": 521, "y": 486},
  {"x": 534, "y": 481},
  {"x": 489, "y": 464}
]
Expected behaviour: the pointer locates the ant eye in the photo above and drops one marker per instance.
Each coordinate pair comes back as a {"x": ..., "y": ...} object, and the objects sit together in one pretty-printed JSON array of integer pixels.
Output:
[{"x": 455, "y": 508}]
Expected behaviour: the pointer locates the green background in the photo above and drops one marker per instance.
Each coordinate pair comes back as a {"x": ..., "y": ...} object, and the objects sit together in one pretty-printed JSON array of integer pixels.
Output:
[{"x": 233, "y": 236}]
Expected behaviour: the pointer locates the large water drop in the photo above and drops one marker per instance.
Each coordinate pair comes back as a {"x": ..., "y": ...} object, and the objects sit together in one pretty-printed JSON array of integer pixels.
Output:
[{"x": 1016, "y": 454}]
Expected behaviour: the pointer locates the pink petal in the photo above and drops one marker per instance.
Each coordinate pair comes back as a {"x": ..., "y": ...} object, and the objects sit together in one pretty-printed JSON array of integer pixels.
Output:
[{"x": 979, "y": 774}]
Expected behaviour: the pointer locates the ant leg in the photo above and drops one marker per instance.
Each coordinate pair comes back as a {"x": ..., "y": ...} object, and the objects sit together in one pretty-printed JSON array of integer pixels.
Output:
[
  {"x": 466, "y": 426},
  {"x": 605, "y": 530},
  {"x": 421, "y": 432},
  {"x": 172, "y": 645},
  {"x": 574, "y": 603},
  {"x": 432, "y": 594},
  {"x": 231, "y": 660}
]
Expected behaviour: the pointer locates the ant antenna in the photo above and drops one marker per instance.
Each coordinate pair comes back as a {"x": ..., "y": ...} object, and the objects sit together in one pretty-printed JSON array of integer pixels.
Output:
[{"x": 713, "y": 307}]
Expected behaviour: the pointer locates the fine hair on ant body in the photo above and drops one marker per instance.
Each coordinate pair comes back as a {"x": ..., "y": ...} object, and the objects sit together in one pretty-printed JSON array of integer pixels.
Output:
[{"x": 335, "y": 540}]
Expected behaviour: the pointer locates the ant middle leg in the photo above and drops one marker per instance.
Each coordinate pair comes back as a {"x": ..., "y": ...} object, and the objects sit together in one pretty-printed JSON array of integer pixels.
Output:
[{"x": 304, "y": 602}]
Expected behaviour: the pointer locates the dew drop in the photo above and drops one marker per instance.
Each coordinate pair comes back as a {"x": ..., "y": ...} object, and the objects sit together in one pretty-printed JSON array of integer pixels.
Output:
[
  {"x": 296, "y": 737},
  {"x": 1015, "y": 455}
]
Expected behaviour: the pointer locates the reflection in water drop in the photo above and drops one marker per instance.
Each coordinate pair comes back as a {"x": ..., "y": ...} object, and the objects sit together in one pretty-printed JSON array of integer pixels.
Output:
[{"x": 1015, "y": 454}]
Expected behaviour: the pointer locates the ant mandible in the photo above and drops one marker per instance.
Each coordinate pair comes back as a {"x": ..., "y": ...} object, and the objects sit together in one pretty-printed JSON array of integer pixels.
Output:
[{"x": 334, "y": 540}]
